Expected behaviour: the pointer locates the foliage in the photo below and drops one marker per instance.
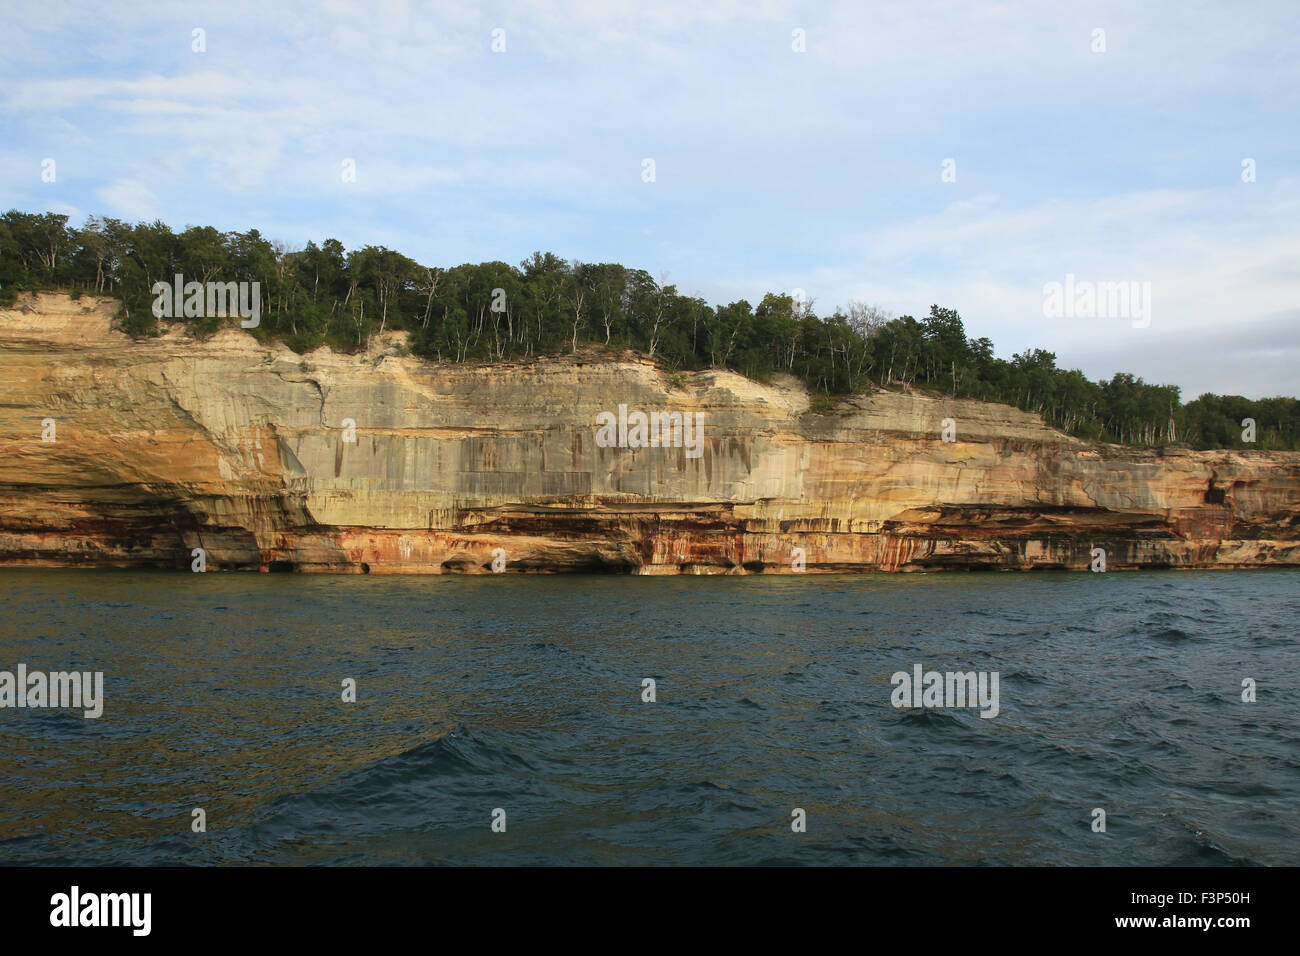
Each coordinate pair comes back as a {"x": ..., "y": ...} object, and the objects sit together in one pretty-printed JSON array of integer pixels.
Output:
[{"x": 325, "y": 295}]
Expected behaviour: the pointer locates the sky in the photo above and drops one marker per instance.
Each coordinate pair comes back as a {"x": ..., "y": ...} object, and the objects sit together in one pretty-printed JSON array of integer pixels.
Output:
[{"x": 901, "y": 154}]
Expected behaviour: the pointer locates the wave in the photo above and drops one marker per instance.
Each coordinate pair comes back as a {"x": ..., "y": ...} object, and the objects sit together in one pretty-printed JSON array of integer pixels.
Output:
[{"x": 928, "y": 718}]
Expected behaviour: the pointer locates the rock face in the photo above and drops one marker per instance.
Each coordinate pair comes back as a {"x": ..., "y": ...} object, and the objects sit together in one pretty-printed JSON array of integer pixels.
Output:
[{"x": 244, "y": 450}]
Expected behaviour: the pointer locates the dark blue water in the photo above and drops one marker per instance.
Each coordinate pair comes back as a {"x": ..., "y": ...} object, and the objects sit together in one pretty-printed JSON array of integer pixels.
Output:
[{"x": 1118, "y": 691}]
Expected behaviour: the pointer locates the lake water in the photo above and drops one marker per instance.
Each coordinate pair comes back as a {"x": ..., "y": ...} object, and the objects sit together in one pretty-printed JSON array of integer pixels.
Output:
[{"x": 223, "y": 691}]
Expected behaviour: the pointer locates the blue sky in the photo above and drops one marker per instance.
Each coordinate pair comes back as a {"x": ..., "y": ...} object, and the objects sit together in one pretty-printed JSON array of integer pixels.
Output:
[{"x": 774, "y": 169}]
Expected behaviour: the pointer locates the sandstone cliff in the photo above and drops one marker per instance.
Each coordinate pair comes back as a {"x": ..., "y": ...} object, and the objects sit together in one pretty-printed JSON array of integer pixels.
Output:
[{"x": 239, "y": 448}]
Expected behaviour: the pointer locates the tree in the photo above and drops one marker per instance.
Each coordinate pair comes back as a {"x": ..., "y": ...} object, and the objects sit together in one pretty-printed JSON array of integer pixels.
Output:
[
  {"x": 325, "y": 294},
  {"x": 577, "y": 291}
]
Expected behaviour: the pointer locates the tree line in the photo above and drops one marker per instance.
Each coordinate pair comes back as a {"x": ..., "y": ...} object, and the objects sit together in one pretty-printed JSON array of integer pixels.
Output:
[{"x": 493, "y": 311}]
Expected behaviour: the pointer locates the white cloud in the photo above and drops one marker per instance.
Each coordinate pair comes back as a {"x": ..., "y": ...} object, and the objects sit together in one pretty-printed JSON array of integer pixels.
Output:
[
  {"x": 129, "y": 200},
  {"x": 776, "y": 170}
]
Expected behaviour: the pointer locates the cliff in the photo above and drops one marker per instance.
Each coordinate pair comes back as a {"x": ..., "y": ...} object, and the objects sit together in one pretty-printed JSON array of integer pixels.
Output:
[{"x": 243, "y": 449}]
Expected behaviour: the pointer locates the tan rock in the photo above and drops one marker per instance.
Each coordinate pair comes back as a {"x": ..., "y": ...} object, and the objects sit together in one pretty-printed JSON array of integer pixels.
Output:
[{"x": 237, "y": 447}]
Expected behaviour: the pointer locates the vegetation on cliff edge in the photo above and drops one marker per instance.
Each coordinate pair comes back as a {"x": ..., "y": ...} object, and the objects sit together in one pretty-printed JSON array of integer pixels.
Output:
[{"x": 547, "y": 305}]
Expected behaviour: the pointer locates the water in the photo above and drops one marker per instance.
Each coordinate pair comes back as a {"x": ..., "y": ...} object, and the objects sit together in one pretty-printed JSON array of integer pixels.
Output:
[{"x": 223, "y": 691}]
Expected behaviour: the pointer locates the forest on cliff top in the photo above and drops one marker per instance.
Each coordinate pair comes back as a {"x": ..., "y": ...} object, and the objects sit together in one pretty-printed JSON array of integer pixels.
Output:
[{"x": 326, "y": 295}]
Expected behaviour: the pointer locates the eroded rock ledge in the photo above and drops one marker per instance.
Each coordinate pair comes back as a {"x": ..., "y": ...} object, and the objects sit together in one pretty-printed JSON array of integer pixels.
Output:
[{"x": 238, "y": 448}]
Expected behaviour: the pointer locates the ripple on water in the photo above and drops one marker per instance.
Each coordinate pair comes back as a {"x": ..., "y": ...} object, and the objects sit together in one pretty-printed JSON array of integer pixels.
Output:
[{"x": 474, "y": 697}]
